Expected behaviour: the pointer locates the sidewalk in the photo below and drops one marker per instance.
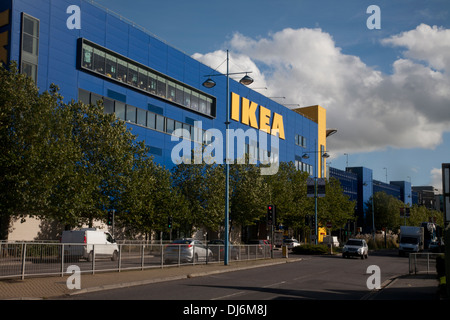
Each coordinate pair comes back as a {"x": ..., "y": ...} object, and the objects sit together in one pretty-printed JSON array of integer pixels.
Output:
[{"x": 407, "y": 287}]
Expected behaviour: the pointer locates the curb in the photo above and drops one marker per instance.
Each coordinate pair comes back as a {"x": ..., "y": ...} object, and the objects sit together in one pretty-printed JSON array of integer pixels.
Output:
[{"x": 179, "y": 277}]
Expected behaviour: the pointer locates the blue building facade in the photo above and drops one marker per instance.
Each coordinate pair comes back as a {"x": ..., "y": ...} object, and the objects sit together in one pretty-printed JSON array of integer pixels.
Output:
[{"x": 93, "y": 54}]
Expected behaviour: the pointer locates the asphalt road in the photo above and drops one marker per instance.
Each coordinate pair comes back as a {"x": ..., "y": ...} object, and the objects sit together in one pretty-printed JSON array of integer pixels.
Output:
[{"x": 314, "y": 277}]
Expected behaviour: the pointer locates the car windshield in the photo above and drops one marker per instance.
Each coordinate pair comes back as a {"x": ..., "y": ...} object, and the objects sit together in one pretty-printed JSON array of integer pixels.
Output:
[{"x": 354, "y": 243}]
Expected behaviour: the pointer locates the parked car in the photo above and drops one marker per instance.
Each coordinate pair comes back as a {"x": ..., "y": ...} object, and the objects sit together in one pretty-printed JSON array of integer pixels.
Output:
[
  {"x": 217, "y": 247},
  {"x": 291, "y": 243},
  {"x": 187, "y": 250},
  {"x": 259, "y": 246},
  {"x": 84, "y": 243},
  {"x": 356, "y": 248}
]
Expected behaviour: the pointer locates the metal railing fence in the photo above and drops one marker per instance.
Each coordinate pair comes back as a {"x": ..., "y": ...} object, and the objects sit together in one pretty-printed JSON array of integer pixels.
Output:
[
  {"x": 30, "y": 259},
  {"x": 422, "y": 262}
]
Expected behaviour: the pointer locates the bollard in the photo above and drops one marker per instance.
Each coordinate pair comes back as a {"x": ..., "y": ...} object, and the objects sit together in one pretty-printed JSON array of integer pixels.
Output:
[{"x": 284, "y": 250}]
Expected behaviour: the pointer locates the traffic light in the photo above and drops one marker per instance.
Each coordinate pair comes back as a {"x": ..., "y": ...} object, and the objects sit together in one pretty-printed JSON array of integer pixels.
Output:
[
  {"x": 307, "y": 219},
  {"x": 270, "y": 214},
  {"x": 169, "y": 222},
  {"x": 110, "y": 219}
]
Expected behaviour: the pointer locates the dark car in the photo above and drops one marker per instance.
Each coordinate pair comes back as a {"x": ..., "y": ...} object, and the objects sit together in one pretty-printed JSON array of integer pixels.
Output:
[
  {"x": 259, "y": 246},
  {"x": 217, "y": 247}
]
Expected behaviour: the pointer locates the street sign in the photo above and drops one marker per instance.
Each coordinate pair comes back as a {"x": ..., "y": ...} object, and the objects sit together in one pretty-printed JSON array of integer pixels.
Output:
[{"x": 329, "y": 225}]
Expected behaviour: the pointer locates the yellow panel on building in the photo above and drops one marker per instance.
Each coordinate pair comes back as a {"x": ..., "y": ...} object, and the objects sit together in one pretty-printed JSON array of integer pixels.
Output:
[{"x": 318, "y": 114}]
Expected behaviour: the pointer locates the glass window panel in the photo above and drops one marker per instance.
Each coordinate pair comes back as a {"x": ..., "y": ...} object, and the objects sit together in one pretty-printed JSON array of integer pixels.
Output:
[
  {"x": 99, "y": 61},
  {"x": 202, "y": 104},
  {"x": 189, "y": 129},
  {"x": 179, "y": 96},
  {"x": 84, "y": 96},
  {"x": 141, "y": 117},
  {"x": 161, "y": 87},
  {"x": 151, "y": 122},
  {"x": 88, "y": 53},
  {"x": 30, "y": 26},
  {"x": 120, "y": 110},
  {"x": 131, "y": 113},
  {"x": 122, "y": 70},
  {"x": 194, "y": 100},
  {"x": 30, "y": 70},
  {"x": 132, "y": 75},
  {"x": 151, "y": 83},
  {"x": 170, "y": 126},
  {"x": 187, "y": 98},
  {"x": 209, "y": 110},
  {"x": 178, "y": 125},
  {"x": 111, "y": 66},
  {"x": 159, "y": 122},
  {"x": 95, "y": 97},
  {"x": 29, "y": 44},
  {"x": 171, "y": 91},
  {"x": 108, "y": 105},
  {"x": 143, "y": 79}
]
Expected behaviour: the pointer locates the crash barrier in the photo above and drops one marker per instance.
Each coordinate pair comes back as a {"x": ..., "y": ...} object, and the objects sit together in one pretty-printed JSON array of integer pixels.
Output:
[
  {"x": 422, "y": 262},
  {"x": 30, "y": 259}
]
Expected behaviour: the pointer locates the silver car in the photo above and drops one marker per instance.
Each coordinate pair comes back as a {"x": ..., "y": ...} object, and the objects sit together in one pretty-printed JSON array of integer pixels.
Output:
[
  {"x": 356, "y": 248},
  {"x": 187, "y": 250}
]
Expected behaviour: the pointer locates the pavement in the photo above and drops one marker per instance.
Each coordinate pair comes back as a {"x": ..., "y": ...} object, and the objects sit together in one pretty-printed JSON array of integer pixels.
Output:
[{"x": 405, "y": 287}]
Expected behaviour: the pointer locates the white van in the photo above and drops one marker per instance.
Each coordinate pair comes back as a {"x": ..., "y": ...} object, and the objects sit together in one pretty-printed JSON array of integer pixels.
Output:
[{"x": 84, "y": 243}]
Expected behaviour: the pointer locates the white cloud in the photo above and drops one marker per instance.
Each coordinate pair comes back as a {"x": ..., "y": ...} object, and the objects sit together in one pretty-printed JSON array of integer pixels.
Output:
[
  {"x": 371, "y": 110},
  {"x": 436, "y": 179}
]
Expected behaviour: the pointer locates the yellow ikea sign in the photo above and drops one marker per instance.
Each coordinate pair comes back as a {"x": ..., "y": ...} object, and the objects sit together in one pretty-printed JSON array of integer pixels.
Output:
[{"x": 245, "y": 111}]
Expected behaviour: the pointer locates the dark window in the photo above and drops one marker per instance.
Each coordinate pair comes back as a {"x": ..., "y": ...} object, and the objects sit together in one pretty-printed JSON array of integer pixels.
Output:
[
  {"x": 120, "y": 110},
  {"x": 161, "y": 87},
  {"x": 88, "y": 53},
  {"x": 122, "y": 70},
  {"x": 108, "y": 105},
  {"x": 132, "y": 75},
  {"x": 151, "y": 122},
  {"x": 29, "y": 46},
  {"x": 131, "y": 113},
  {"x": 99, "y": 61},
  {"x": 170, "y": 125},
  {"x": 141, "y": 117},
  {"x": 111, "y": 66},
  {"x": 143, "y": 79},
  {"x": 84, "y": 96},
  {"x": 159, "y": 123}
]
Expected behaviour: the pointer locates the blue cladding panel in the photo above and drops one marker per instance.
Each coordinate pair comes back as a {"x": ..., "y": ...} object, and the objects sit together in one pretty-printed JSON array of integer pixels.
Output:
[{"x": 58, "y": 60}]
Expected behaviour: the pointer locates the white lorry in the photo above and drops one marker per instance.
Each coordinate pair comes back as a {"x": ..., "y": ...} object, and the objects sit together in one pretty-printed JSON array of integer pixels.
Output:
[
  {"x": 87, "y": 242},
  {"x": 411, "y": 239}
]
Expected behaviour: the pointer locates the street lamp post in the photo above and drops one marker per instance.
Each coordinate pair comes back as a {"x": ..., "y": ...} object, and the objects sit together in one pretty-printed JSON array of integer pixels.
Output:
[
  {"x": 209, "y": 83},
  {"x": 325, "y": 155}
]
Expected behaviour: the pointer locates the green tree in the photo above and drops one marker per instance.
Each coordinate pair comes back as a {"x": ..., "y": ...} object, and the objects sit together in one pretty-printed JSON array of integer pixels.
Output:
[
  {"x": 387, "y": 211},
  {"x": 335, "y": 207},
  {"x": 36, "y": 147}
]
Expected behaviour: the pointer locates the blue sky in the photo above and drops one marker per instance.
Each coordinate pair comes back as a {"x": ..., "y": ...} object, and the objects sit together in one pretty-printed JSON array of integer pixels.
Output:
[{"x": 387, "y": 91}]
